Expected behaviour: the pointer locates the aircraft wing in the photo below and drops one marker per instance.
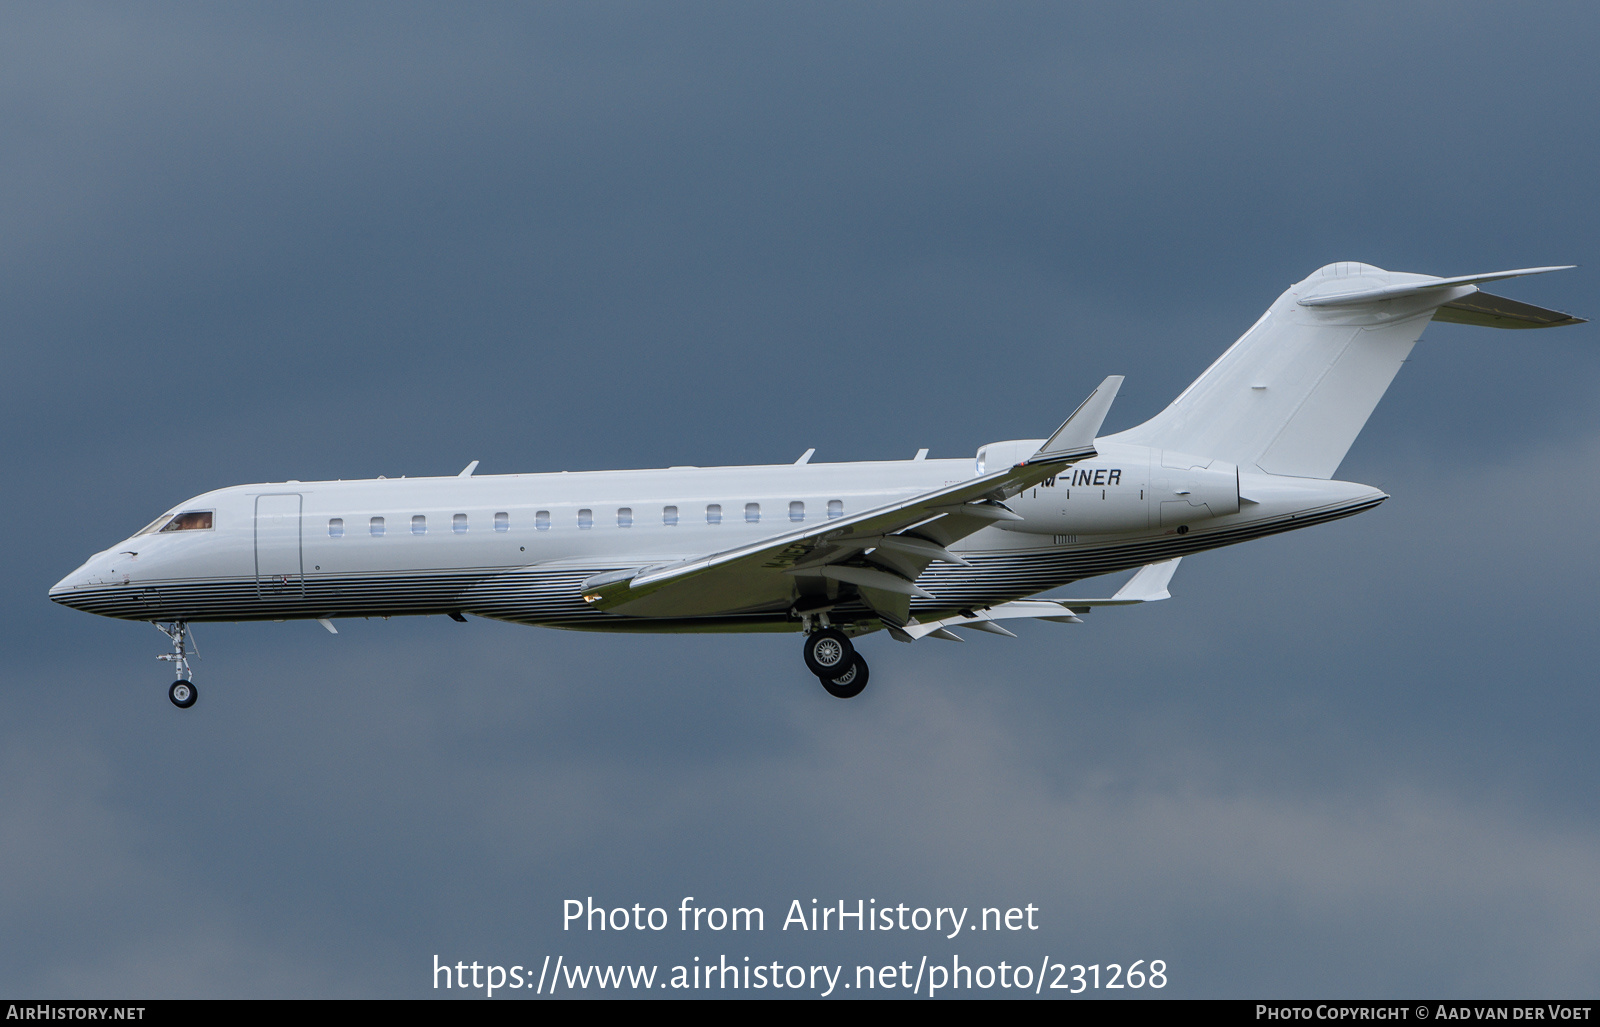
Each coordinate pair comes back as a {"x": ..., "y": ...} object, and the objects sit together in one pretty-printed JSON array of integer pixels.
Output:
[
  {"x": 879, "y": 551},
  {"x": 1148, "y": 585}
]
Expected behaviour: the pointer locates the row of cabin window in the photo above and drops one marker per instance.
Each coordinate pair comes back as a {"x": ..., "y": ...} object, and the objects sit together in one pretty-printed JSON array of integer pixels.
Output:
[
  {"x": 419, "y": 525},
  {"x": 541, "y": 518}
]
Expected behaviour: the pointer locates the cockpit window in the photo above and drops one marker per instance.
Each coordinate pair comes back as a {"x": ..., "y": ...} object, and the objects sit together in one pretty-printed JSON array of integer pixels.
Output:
[
  {"x": 149, "y": 529},
  {"x": 189, "y": 520}
]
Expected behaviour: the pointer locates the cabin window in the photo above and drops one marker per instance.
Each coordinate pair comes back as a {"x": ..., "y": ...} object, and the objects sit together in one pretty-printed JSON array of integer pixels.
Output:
[
  {"x": 458, "y": 524},
  {"x": 669, "y": 516},
  {"x": 714, "y": 513},
  {"x": 194, "y": 520},
  {"x": 586, "y": 518},
  {"x": 752, "y": 513},
  {"x": 419, "y": 524},
  {"x": 502, "y": 521},
  {"x": 835, "y": 508},
  {"x": 625, "y": 517},
  {"x": 797, "y": 511},
  {"x": 336, "y": 527},
  {"x": 541, "y": 520},
  {"x": 376, "y": 526}
]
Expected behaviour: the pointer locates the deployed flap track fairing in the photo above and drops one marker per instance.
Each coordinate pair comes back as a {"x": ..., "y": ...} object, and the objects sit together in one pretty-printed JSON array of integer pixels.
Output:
[{"x": 916, "y": 548}]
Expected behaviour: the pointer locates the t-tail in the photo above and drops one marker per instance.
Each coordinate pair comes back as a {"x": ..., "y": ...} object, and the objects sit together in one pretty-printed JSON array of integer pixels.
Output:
[{"x": 1291, "y": 395}]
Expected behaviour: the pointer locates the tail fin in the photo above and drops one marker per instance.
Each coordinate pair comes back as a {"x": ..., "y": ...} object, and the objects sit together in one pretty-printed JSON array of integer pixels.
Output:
[{"x": 1292, "y": 394}]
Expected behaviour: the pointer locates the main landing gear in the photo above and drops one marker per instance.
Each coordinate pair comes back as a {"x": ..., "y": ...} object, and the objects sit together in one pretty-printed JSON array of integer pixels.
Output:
[
  {"x": 849, "y": 684},
  {"x": 830, "y": 656},
  {"x": 182, "y": 692}
]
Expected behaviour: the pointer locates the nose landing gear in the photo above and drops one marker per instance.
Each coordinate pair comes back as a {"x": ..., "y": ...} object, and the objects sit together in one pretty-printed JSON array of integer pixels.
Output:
[{"x": 182, "y": 691}]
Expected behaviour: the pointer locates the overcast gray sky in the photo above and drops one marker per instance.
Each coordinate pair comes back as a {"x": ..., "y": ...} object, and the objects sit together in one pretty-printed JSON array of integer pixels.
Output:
[{"x": 254, "y": 243}]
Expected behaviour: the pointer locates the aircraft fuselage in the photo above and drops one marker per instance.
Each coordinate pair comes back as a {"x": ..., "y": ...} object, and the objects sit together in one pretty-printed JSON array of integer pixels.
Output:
[{"x": 519, "y": 547}]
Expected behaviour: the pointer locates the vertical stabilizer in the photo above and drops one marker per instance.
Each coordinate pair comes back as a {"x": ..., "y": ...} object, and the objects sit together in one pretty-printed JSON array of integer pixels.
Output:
[{"x": 1292, "y": 394}]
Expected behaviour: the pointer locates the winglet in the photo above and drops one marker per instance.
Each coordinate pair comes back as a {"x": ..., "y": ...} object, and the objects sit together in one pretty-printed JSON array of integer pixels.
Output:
[
  {"x": 466, "y": 472},
  {"x": 1074, "y": 440},
  {"x": 1150, "y": 583}
]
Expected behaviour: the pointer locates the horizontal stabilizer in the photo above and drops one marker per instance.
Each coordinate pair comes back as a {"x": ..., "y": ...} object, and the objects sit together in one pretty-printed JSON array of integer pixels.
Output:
[
  {"x": 1415, "y": 288},
  {"x": 1487, "y": 310}
]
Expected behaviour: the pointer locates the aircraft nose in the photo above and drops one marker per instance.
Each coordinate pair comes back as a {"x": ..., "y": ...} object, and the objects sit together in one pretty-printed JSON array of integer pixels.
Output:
[
  {"x": 77, "y": 587},
  {"x": 70, "y": 586}
]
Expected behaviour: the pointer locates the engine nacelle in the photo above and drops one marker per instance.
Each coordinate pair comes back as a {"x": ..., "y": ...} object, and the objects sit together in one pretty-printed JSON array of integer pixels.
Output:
[
  {"x": 999, "y": 455},
  {"x": 1185, "y": 489},
  {"x": 1123, "y": 489}
]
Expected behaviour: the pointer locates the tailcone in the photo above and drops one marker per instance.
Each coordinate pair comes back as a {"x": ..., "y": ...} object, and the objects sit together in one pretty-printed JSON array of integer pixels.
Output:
[{"x": 1281, "y": 494}]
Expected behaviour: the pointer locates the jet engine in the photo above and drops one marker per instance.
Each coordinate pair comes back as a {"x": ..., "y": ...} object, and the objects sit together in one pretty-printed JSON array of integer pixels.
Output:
[{"x": 1124, "y": 488}]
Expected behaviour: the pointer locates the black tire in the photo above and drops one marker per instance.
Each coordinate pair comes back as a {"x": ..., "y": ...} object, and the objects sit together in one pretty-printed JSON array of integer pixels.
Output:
[
  {"x": 828, "y": 652},
  {"x": 183, "y": 694},
  {"x": 849, "y": 684}
]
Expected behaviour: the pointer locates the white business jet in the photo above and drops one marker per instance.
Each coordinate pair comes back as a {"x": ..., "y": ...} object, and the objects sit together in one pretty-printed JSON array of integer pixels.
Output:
[{"x": 914, "y": 547}]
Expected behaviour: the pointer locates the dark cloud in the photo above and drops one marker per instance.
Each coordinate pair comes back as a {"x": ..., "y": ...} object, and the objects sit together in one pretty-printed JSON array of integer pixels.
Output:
[{"x": 337, "y": 242}]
